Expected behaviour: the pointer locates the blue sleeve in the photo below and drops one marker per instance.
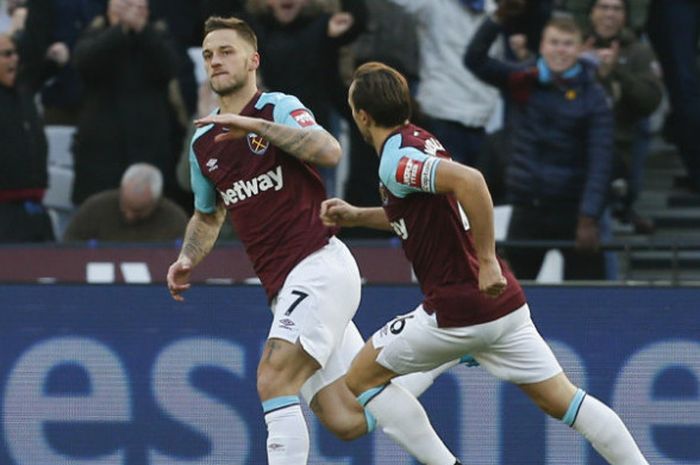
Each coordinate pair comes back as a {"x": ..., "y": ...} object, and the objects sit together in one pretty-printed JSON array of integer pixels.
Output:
[
  {"x": 289, "y": 111},
  {"x": 406, "y": 170},
  {"x": 203, "y": 189}
]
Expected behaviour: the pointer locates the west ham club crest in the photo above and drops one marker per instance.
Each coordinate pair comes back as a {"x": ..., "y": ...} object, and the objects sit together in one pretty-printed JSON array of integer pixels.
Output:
[{"x": 257, "y": 144}]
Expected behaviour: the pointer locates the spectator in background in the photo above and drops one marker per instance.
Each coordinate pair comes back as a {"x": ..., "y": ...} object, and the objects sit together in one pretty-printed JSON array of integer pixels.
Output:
[
  {"x": 444, "y": 30},
  {"x": 580, "y": 10},
  {"x": 127, "y": 64},
  {"x": 630, "y": 74},
  {"x": 52, "y": 29},
  {"x": 301, "y": 43},
  {"x": 391, "y": 38},
  {"x": 136, "y": 212},
  {"x": 17, "y": 13},
  {"x": 674, "y": 29},
  {"x": 562, "y": 144},
  {"x": 5, "y": 20},
  {"x": 23, "y": 158}
]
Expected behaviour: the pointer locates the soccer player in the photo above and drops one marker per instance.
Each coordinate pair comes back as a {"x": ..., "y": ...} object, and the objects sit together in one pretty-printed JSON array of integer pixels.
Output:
[
  {"x": 254, "y": 159},
  {"x": 473, "y": 304}
]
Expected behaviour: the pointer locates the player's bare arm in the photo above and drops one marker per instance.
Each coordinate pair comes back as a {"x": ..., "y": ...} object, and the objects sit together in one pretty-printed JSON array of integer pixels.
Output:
[
  {"x": 200, "y": 236},
  {"x": 338, "y": 212},
  {"x": 469, "y": 188},
  {"x": 307, "y": 144}
]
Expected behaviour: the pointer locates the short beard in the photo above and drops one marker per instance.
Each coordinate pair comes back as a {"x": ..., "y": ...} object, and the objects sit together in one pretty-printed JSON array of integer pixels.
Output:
[{"x": 226, "y": 91}]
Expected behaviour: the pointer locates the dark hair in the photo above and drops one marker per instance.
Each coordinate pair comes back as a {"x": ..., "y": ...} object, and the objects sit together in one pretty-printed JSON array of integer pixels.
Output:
[
  {"x": 564, "y": 24},
  {"x": 625, "y": 3},
  {"x": 215, "y": 23},
  {"x": 382, "y": 92}
]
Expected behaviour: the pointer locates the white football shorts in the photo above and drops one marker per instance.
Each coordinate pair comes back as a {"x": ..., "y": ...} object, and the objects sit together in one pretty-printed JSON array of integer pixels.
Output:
[
  {"x": 510, "y": 347},
  {"x": 315, "y": 306}
]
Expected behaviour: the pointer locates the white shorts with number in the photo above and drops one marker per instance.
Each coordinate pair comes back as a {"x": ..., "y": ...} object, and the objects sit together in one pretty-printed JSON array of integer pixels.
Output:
[
  {"x": 510, "y": 348},
  {"x": 315, "y": 306}
]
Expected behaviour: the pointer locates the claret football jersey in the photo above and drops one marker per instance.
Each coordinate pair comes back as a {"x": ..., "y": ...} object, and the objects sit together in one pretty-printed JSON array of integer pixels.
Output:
[
  {"x": 273, "y": 198},
  {"x": 435, "y": 233}
]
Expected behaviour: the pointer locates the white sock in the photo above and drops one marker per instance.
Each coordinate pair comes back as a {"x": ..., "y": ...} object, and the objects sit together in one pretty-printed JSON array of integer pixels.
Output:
[
  {"x": 403, "y": 419},
  {"x": 604, "y": 429},
  {"x": 417, "y": 383},
  {"x": 287, "y": 435}
]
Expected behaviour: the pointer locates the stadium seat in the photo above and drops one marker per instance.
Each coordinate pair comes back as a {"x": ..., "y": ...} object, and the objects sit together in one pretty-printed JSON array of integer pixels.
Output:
[
  {"x": 60, "y": 139},
  {"x": 60, "y": 166}
]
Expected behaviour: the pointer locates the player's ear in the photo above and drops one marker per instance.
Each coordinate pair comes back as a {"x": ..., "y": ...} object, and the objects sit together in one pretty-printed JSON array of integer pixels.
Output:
[
  {"x": 365, "y": 118},
  {"x": 254, "y": 61}
]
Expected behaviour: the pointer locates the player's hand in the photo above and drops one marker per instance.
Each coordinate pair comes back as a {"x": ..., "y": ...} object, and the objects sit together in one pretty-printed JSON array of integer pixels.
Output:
[
  {"x": 235, "y": 126},
  {"x": 491, "y": 279},
  {"x": 179, "y": 278},
  {"x": 337, "y": 212},
  {"x": 339, "y": 24}
]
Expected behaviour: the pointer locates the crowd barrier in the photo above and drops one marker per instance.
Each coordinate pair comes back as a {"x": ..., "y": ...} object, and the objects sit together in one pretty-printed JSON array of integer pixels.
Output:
[{"x": 123, "y": 375}]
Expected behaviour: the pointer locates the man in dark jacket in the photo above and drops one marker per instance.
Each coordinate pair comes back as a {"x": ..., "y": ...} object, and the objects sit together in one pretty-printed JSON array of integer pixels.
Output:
[
  {"x": 562, "y": 145},
  {"x": 52, "y": 28},
  {"x": 127, "y": 64},
  {"x": 301, "y": 45},
  {"x": 23, "y": 174},
  {"x": 628, "y": 70}
]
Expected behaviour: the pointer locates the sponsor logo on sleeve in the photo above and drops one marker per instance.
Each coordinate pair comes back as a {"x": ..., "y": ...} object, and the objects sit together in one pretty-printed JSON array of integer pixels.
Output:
[
  {"x": 416, "y": 173},
  {"x": 409, "y": 172},
  {"x": 303, "y": 118}
]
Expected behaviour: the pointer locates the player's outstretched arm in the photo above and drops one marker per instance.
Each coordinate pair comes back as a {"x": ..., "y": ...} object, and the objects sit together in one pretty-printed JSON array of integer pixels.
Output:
[
  {"x": 469, "y": 188},
  {"x": 313, "y": 145},
  {"x": 338, "y": 212},
  {"x": 200, "y": 236}
]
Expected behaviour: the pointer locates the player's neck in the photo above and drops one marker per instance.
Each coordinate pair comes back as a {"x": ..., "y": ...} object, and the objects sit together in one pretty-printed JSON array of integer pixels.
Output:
[
  {"x": 379, "y": 136},
  {"x": 236, "y": 101}
]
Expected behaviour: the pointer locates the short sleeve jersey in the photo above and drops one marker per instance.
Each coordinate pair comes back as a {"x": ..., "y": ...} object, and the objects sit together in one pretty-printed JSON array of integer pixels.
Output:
[
  {"x": 435, "y": 234},
  {"x": 273, "y": 198}
]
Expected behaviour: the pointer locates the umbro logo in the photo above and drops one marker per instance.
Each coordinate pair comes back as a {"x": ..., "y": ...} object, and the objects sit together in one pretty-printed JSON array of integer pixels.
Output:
[
  {"x": 212, "y": 164},
  {"x": 286, "y": 323}
]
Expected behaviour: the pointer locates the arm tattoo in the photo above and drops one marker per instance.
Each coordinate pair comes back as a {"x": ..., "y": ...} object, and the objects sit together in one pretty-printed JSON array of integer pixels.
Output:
[
  {"x": 201, "y": 234},
  {"x": 271, "y": 346},
  {"x": 305, "y": 144}
]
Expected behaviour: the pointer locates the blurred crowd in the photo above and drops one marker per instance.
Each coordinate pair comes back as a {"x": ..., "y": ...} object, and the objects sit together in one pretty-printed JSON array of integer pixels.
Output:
[{"x": 555, "y": 101}]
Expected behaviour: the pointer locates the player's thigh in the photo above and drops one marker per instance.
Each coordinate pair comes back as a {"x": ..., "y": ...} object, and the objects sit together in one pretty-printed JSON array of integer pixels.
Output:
[
  {"x": 336, "y": 366},
  {"x": 317, "y": 301},
  {"x": 407, "y": 344},
  {"x": 366, "y": 372},
  {"x": 513, "y": 350},
  {"x": 283, "y": 368},
  {"x": 553, "y": 395},
  {"x": 329, "y": 396}
]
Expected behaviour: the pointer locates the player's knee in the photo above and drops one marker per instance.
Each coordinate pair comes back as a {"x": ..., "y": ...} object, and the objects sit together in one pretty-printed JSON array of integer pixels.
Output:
[
  {"x": 269, "y": 383},
  {"x": 355, "y": 384}
]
